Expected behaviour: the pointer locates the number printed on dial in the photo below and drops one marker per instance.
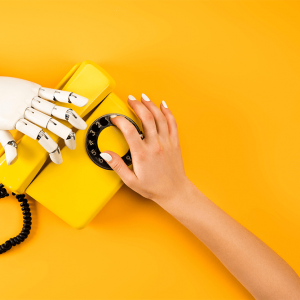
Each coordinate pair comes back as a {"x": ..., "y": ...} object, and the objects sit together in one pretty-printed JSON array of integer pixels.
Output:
[{"x": 91, "y": 142}]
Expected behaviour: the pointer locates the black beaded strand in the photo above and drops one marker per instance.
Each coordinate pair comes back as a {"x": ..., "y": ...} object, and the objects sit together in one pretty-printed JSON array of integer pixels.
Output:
[{"x": 26, "y": 221}]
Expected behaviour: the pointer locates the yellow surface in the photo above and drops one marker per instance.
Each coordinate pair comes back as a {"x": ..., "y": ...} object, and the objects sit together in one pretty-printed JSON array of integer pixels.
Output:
[
  {"x": 230, "y": 73},
  {"x": 92, "y": 186},
  {"x": 86, "y": 79}
]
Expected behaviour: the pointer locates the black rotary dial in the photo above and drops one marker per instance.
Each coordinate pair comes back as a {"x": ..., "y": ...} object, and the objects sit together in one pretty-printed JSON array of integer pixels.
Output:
[{"x": 91, "y": 141}]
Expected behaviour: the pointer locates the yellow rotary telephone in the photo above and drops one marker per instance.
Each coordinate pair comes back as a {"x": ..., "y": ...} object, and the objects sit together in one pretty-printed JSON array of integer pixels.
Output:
[{"x": 60, "y": 187}]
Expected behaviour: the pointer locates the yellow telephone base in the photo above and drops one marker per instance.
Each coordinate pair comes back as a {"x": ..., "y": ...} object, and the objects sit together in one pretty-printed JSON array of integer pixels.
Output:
[
  {"x": 77, "y": 189},
  {"x": 86, "y": 79}
]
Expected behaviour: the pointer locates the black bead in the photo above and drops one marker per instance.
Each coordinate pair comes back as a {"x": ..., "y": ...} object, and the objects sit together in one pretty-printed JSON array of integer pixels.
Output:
[
  {"x": 23, "y": 204},
  {"x": 27, "y": 222},
  {"x": 25, "y": 209},
  {"x": 27, "y": 218},
  {"x": 25, "y": 231},
  {"x": 26, "y": 227},
  {"x": 13, "y": 194}
]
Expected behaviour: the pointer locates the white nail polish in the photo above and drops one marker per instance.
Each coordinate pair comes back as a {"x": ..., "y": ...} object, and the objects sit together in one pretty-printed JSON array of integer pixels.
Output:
[
  {"x": 113, "y": 116},
  {"x": 145, "y": 97},
  {"x": 130, "y": 97},
  {"x": 106, "y": 157},
  {"x": 164, "y": 104}
]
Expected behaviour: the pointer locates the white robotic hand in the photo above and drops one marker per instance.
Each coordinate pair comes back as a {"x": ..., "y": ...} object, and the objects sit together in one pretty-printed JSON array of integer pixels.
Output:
[{"x": 22, "y": 105}]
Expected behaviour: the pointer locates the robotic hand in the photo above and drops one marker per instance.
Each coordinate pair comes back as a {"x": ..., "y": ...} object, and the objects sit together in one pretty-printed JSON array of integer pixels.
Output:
[{"x": 22, "y": 105}]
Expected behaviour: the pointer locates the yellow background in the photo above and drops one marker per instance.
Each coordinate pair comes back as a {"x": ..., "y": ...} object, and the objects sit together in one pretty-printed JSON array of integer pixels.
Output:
[{"x": 230, "y": 72}]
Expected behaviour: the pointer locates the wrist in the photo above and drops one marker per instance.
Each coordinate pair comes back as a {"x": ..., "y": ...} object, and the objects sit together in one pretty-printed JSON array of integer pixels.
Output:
[{"x": 181, "y": 193}]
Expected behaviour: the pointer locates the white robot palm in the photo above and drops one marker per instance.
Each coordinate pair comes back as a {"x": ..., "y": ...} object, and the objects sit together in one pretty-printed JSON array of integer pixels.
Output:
[{"x": 24, "y": 106}]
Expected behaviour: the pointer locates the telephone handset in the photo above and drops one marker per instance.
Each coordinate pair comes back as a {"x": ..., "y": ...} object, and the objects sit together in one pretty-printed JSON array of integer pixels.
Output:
[{"x": 77, "y": 189}]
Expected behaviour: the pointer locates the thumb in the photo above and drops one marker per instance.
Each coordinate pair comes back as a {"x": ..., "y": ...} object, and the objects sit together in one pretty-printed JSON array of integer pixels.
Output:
[
  {"x": 119, "y": 166},
  {"x": 10, "y": 147}
]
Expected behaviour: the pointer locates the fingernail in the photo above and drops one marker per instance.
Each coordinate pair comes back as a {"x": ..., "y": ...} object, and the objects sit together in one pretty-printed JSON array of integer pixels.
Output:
[
  {"x": 71, "y": 141},
  {"x": 145, "y": 97},
  {"x": 106, "y": 157},
  {"x": 113, "y": 116},
  {"x": 164, "y": 104},
  {"x": 11, "y": 154},
  {"x": 56, "y": 156},
  {"x": 130, "y": 97}
]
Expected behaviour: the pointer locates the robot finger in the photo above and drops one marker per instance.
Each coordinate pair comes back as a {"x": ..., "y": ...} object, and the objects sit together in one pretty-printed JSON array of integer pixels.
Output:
[
  {"x": 53, "y": 125},
  {"x": 60, "y": 112},
  {"x": 62, "y": 96},
  {"x": 43, "y": 138},
  {"x": 70, "y": 115},
  {"x": 10, "y": 146},
  {"x": 42, "y": 105}
]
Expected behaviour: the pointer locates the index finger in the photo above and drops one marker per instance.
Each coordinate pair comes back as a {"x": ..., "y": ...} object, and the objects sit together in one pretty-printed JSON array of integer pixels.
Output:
[
  {"x": 129, "y": 131},
  {"x": 62, "y": 96}
]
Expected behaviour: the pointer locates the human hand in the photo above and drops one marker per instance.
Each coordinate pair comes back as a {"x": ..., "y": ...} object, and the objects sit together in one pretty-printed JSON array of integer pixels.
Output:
[
  {"x": 22, "y": 105},
  {"x": 158, "y": 174},
  {"x": 158, "y": 170}
]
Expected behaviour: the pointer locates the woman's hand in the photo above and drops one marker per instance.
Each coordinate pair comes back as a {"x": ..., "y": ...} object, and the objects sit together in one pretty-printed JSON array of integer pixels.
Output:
[
  {"x": 158, "y": 171},
  {"x": 158, "y": 174}
]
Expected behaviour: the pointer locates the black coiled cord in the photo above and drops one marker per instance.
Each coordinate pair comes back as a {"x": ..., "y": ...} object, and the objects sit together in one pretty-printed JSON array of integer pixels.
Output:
[{"x": 26, "y": 221}]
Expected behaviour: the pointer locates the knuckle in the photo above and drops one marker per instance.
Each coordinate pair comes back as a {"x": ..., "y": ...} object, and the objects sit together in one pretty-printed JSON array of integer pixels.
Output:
[
  {"x": 162, "y": 120},
  {"x": 148, "y": 117},
  {"x": 140, "y": 155},
  {"x": 157, "y": 148},
  {"x": 129, "y": 130}
]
